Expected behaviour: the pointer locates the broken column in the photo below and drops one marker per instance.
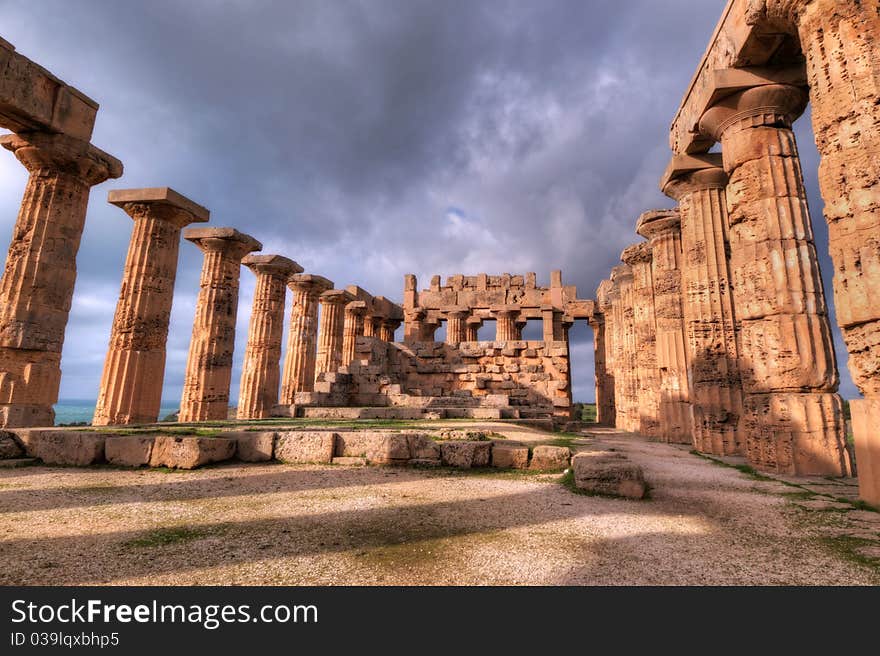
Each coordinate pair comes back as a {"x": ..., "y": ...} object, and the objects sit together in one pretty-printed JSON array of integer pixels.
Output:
[
  {"x": 638, "y": 257},
  {"x": 698, "y": 184},
  {"x": 455, "y": 324},
  {"x": 663, "y": 230},
  {"x": 260, "y": 375},
  {"x": 131, "y": 385},
  {"x": 302, "y": 336},
  {"x": 793, "y": 418},
  {"x": 209, "y": 365},
  {"x": 352, "y": 329},
  {"x": 37, "y": 284},
  {"x": 330, "y": 330}
]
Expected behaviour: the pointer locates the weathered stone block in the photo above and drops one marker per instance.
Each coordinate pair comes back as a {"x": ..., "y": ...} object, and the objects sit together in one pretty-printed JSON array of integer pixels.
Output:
[
  {"x": 465, "y": 454},
  {"x": 129, "y": 450},
  {"x": 865, "y": 422},
  {"x": 606, "y": 472},
  {"x": 9, "y": 447},
  {"x": 254, "y": 446},
  {"x": 305, "y": 446},
  {"x": 56, "y": 447},
  {"x": 550, "y": 458},
  {"x": 189, "y": 452},
  {"x": 510, "y": 457}
]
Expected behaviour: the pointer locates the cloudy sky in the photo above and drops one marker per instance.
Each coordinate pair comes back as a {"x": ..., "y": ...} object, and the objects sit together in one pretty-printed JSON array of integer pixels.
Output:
[{"x": 371, "y": 139}]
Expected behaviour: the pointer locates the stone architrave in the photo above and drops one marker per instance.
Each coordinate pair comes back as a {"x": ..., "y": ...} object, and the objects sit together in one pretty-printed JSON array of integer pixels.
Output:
[
  {"x": 260, "y": 375},
  {"x": 36, "y": 288},
  {"x": 638, "y": 257},
  {"x": 663, "y": 230},
  {"x": 456, "y": 326},
  {"x": 352, "y": 329},
  {"x": 131, "y": 385},
  {"x": 302, "y": 336},
  {"x": 472, "y": 327},
  {"x": 793, "y": 418},
  {"x": 505, "y": 323},
  {"x": 710, "y": 325},
  {"x": 209, "y": 365},
  {"x": 330, "y": 330}
]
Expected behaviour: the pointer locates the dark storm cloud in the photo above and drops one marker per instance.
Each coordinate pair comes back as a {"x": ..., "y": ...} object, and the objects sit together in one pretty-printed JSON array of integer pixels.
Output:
[{"x": 371, "y": 139}]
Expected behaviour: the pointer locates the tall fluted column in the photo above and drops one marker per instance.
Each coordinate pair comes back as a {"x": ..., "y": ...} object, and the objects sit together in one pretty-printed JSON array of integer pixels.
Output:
[
  {"x": 710, "y": 326},
  {"x": 260, "y": 375},
  {"x": 330, "y": 330},
  {"x": 209, "y": 365},
  {"x": 372, "y": 326},
  {"x": 37, "y": 284},
  {"x": 626, "y": 381},
  {"x": 302, "y": 336},
  {"x": 472, "y": 329},
  {"x": 663, "y": 230},
  {"x": 603, "y": 342},
  {"x": 131, "y": 385},
  {"x": 455, "y": 325},
  {"x": 839, "y": 40},
  {"x": 505, "y": 323},
  {"x": 793, "y": 418},
  {"x": 352, "y": 329},
  {"x": 638, "y": 257}
]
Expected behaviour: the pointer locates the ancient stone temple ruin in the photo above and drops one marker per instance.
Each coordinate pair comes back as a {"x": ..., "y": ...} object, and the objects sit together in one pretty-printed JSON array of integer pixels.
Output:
[{"x": 712, "y": 331}]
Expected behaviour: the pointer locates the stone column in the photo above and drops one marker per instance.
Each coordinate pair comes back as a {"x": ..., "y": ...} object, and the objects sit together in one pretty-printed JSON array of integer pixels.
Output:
[
  {"x": 131, "y": 385},
  {"x": 387, "y": 328},
  {"x": 413, "y": 328},
  {"x": 603, "y": 333},
  {"x": 429, "y": 329},
  {"x": 352, "y": 329},
  {"x": 663, "y": 230},
  {"x": 260, "y": 375},
  {"x": 839, "y": 40},
  {"x": 455, "y": 325},
  {"x": 372, "y": 326},
  {"x": 209, "y": 366},
  {"x": 302, "y": 336},
  {"x": 505, "y": 323},
  {"x": 36, "y": 288},
  {"x": 552, "y": 323},
  {"x": 626, "y": 382},
  {"x": 710, "y": 326},
  {"x": 793, "y": 418},
  {"x": 330, "y": 330},
  {"x": 647, "y": 375},
  {"x": 472, "y": 329}
]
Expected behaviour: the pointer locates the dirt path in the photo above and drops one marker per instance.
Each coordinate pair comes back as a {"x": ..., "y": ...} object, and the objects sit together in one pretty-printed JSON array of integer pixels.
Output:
[{"x": 280, "y": 524}]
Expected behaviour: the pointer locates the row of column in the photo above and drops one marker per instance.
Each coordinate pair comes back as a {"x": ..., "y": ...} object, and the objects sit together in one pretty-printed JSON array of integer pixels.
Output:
[
  {"x": 720, "y": 316},
  {"x": 462, "y": 325},
  {"x": 131, "y": 385}
]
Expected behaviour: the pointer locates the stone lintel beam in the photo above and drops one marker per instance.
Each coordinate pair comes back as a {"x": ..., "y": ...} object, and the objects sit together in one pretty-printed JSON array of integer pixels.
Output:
[
  {"x": 581, "y": 309},
  {"x": 31, "y": 98}
]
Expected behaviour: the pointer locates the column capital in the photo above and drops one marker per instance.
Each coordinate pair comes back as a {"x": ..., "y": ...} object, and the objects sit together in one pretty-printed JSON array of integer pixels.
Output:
[
  {"x": 227, "y": 241},
  {"x": 356, "y": 308},
  {"x": 637, "y": 254},
  {"x": 162, "y": 203},
  {"x": 458, "y": 311},
  {"x": 771, "y": 104},
  {"x": 506, "y": 310},
  {"x": 621, "y": 274},
  {"x": 59, "y": 153},
  {"x": 654, "y": 223},
  {"x": 686, "y": 174},
  {"x": 276, "y": 266},
  {"x": 336, "y": 297},
  {"x": 474, "y": 321},
  {"x": 605, "y": 294},
  {"x": 309, "y": 283}
]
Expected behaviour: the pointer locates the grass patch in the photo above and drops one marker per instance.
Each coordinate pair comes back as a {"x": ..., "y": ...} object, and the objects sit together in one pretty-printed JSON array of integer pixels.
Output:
[
  {"x": 847, "y": 547},
  {"x": 858, "y": 504},
  {"x": 165, "y": 536}
]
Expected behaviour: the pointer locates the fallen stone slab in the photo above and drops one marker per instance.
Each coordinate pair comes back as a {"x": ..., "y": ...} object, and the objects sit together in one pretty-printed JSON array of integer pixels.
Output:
[
  {"x": 253, "y": 446},
  {"x": 9, "y": 447},
  {"x": 58, "y": 447},
  {"x": 422, "y": 447},
  {"x": 455, "y": 434},
  {"x": 189, "y": 452},
  {"x": 465, "y": 455},
  {"x": 378, "y": 447},
  {"x": 305, "y": 446},
  {"x": 510, "y": 457},
  {"x": 12, "y": 463},
  {"x": 350, "y": 461},
  {"x": 424, "y": 462},
  {"x": 610, "y": 473},
  {"x": 550, "y": 458},
  {"x": 129, "y": 450}
]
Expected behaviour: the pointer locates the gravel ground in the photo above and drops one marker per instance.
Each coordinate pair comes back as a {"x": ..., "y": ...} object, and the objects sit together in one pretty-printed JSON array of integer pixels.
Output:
[{"x": 323, "y": 525}]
